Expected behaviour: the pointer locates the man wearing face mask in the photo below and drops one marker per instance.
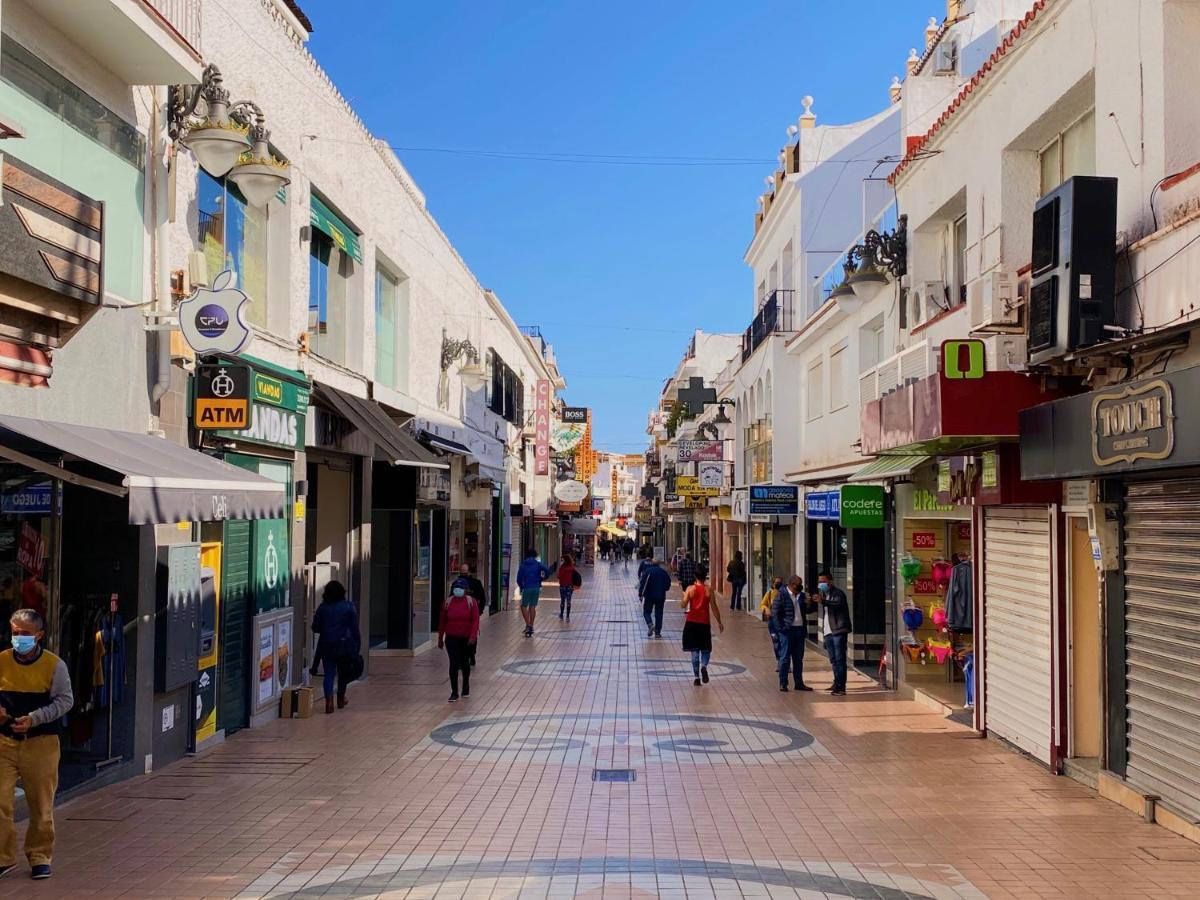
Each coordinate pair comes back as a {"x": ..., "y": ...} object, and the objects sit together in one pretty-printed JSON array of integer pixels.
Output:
[
  {"x": 458, "y": 629},
  {"x": 35, "y": 693},
  {"x": 833, "y": 611}
]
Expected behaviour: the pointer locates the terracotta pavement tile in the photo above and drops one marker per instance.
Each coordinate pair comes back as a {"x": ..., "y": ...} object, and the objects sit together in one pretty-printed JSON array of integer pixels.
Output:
[{"x": 740, "y": 791}]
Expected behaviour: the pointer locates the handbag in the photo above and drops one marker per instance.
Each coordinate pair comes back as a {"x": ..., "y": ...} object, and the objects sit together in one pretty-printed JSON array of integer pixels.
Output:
[
  {"x": 352, "y": 667},
  {"x": 576, "y": 579}
]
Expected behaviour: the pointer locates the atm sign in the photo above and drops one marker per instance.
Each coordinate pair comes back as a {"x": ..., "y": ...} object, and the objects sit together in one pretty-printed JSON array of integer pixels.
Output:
[{"x": 222, "y": 397}]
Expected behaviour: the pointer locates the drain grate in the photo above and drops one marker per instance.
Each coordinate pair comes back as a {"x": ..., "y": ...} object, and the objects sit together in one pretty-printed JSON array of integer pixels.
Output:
[
  {"x": 614, "y": 776},
  {"x": 618, "y": 645},
  {"x": 618, "y": 621}
]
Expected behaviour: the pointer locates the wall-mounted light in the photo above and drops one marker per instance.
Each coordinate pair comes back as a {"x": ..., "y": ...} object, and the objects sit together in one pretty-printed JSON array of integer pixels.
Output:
[{"x": 227, "y": 139}]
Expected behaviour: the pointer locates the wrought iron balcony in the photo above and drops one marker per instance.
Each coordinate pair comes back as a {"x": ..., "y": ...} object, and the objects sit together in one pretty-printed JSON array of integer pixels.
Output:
[{"x": 774, "y": 317}]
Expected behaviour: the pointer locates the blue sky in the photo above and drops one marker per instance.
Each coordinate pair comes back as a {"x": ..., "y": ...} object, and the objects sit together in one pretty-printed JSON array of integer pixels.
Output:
[{"x": 617, "y": 263}]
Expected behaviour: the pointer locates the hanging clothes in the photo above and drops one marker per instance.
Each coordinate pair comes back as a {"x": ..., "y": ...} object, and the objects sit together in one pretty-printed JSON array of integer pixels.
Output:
[
  {"x": 110, "y": 641},
  {"x": 960, "y": 598}
]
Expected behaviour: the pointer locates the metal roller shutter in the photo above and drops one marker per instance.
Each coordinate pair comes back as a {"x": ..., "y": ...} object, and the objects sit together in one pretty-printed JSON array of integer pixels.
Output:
[
  {"x": 1162, "y": 639},
  {"x": 1016, "y": 584}
]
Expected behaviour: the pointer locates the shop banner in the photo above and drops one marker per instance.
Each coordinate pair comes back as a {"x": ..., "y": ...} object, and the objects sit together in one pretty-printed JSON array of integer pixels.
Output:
[
  {"x": 691, "y": 451},
  {"x": 31, "y": 500},
  {"x": 575, "y": 415},
  {"x": 711, "y": 474},
  {"x": 541, "y": 428},
  {"x": 31, "y": 551},
  {"x": 861, "y": 506},
  {"x": 822, "y": 506},
  {"x": 566, "y": 436},
  {"x": 266, "y": 663},
  {"x": 690, "y": 486},
  {"x": 774, "y": 500}
]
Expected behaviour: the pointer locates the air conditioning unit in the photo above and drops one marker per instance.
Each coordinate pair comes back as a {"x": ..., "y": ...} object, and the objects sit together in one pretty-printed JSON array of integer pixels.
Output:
[
  {"x": 945, "y": 58},
  {"x": 1074, "y": 267},
  {"x": 1006, "y": 352},
  {"x": 992, "y": 301}
]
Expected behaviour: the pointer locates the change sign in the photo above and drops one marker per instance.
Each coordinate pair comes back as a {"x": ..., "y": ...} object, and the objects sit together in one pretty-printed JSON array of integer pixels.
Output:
[{"x": 222, "y": 397}]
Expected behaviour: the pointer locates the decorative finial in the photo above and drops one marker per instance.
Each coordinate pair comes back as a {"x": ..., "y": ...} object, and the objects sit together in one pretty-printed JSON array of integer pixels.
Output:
[
  {"x": 808, "y": 118},
  {"x": 913, "y": 60},
  {"x": 895, "y": 89},
  {"x": 931, "y": 31}
]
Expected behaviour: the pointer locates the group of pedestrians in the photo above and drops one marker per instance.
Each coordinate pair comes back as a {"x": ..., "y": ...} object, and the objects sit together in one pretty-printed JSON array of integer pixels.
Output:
[
  {"x": 615, "y": 549},
  {"x": 787, "y": 608}
]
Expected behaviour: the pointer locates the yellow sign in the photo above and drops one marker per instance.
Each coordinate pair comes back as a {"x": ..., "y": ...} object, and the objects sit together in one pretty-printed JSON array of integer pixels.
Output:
[
  {"x": 210, "y": 622},
  {"x": 695, "y": 502},
  {"x": 689, "y": 486},
  {"x": 232, "y": 415},
  {"x": 299, "y": 514}
]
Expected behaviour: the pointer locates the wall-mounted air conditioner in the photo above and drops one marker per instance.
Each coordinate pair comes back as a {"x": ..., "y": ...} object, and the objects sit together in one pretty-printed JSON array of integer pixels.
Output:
[
  {"x": 1006, "y": 352},
  {"x": 992, "y": 301}
]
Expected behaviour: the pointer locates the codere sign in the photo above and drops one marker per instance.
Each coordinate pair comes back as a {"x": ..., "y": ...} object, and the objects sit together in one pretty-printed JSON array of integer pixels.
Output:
[{"x": 222, "y": 397}]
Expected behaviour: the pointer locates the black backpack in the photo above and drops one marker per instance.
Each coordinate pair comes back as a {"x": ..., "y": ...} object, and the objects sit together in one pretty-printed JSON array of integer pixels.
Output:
[{"x": 576, "y": 579}]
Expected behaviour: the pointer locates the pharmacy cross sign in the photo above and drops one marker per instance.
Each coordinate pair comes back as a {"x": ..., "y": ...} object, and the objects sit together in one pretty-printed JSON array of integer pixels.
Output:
[{"x": 696, "y": 395}]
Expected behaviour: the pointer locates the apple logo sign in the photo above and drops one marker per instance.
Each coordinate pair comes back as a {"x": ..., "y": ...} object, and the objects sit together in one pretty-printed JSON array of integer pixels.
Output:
[{"x": 211, "y": 318}]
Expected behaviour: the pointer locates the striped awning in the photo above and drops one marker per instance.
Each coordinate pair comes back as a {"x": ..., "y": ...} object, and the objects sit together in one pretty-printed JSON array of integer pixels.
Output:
[{"x": 889, "y": 467}]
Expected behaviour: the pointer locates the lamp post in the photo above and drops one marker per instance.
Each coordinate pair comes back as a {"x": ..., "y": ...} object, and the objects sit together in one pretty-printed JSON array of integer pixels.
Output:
[
  {"x": 227, "y": 139},
  {"x": 456, "y": 348},
  {"x": 881, "y": 253}
]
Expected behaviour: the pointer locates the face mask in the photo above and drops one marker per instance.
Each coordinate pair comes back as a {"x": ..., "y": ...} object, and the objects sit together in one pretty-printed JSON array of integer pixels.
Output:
[
  {"x": 23, "y": 643},
  {"x": 823, "y": 588},
  {"x": 459, "y": 592}
]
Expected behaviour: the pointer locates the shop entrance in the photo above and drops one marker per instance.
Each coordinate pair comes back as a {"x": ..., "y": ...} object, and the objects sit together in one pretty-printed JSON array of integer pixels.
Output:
[{"x": 1084, "y": 649}]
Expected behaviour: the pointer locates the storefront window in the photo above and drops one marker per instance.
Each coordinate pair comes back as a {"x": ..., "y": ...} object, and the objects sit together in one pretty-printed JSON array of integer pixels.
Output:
[
  {"x": 26, "y": 559},
  {"x": 233, "y": 235}
]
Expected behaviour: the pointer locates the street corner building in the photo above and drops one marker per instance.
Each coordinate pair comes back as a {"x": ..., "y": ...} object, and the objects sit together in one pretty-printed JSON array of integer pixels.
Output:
[{"x": 226, "y": 382}]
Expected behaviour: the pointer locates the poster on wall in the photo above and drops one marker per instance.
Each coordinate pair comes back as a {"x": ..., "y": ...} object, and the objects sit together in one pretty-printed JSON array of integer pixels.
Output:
[
  {"x": 266, "y": 661},
  {"x": 283, "y": 652},
  {"x": 565, "y": 436}
]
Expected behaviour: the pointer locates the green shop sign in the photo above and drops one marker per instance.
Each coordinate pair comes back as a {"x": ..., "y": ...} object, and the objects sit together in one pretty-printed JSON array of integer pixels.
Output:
[
  {"x": 322, "y": 218},
  {"x": 278, "y": 404},
  {"x": 862, "y": 506}
]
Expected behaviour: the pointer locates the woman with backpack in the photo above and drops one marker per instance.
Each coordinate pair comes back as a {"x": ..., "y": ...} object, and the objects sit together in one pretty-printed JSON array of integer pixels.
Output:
[
  {"x": 458, "y": 629},
  {"x": 338, "y": 641},
  {"x": 700, "y": 606},
  {"x": 568, "y": 579}
]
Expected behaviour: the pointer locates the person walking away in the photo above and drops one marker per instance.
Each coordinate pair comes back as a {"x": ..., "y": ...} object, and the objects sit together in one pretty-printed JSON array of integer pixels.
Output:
[
  {"x": 35, "y": 693},
  {"x": 530, "y": 575},
  {"x": 336, "y": 625},
  {"x": 687, "y": 570},
  {"x": 765, "y": 608},
  {"x": 834, "y": 615},
  {"x": 458, "y": 629},
  {"x": 476, "y": 591},
  {"x": 653, "y": 585},
  {"x": 568, "y": 579},
  {"x": 787, "y": 616},
  {"x": 735, "y": 574},
  {"x": 700, "y": 606}
]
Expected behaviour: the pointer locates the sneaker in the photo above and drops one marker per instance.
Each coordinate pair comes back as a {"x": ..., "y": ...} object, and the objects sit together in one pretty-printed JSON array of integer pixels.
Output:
[
  {"x": 466, "y": 693},
  {"x": 837, "y": 693},
  {"x": 560, "y": 615},
  {"x": 696, "y": 682},
  {"x": 4, "y": 870},
  {"x": 453, "y": 698},
  {"x": 783, "y": 689},
  {"x": 658, "y": 634},
  {"x": 40, "y": 873},
  {"x": 649, "y": 631},
  {"x": 803, "y": 687},
  {"x": 704, "y": 674}
]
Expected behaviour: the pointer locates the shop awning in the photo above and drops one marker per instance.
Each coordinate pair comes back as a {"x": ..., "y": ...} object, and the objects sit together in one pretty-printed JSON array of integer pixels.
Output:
[
  {"x": 614, "y": 530},
  {"x": 390, "y": 440},
  {"x": 581, "y": 525},
  {"x": 163, "y": 481},
  {"x": 429, "y": 439},
  {"x": 889, "y": 467}
]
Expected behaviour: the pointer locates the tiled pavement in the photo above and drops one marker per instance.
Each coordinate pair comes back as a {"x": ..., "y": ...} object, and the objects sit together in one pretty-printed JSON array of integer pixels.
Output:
[{"x": 740, "y": 791}]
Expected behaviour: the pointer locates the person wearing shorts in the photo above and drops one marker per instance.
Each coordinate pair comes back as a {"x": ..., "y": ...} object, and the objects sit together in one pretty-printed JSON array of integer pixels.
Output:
[{"x": 530, "y": 575}]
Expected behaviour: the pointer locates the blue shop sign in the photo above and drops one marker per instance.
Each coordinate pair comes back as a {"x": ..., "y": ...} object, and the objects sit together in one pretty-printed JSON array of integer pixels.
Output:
[
  {"x": 34, "y": 499},
  {"x": 774, "y": 500},
  {"x": 823, "y": 506}
]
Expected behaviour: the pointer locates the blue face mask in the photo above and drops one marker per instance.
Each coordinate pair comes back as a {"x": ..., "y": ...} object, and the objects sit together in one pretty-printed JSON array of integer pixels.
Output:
[
  {"x": 823, "y": 588},
  {"x": 24, "y": 643},
  {"x": 459, "y": 592}
]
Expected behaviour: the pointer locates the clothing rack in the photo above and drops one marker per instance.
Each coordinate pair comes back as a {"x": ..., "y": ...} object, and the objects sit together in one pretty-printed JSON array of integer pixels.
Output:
[{"x": 110, "y": 660}]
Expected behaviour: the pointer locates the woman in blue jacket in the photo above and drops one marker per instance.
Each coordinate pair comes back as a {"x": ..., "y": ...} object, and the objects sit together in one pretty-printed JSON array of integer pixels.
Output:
[{"x": 336, "y": 624}]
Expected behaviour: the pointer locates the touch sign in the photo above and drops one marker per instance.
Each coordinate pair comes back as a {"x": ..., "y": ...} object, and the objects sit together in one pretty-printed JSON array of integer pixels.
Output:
[{"x": 861, "y": 506}]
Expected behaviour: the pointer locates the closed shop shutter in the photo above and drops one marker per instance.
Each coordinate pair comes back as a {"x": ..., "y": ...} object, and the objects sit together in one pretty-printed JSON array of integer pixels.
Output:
[
  {"x": 1016, "y": 584},
  {"x": 1162, "y": 640},
  {"x": 233, "y": 711}
]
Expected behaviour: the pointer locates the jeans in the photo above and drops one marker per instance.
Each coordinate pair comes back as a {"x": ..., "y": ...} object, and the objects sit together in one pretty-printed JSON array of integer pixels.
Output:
[
  {"x": 656, "y": 607},
  {"x": 332, "y": 670},
  {"x": 700, "y": 658},
  {"x": 835, "y": 646},
  {"x": 459, "y": 651},
  {"x": 735, "y": 594},
  {"x": 565, "y": 593},
  {"x": 791, "y": 652}
]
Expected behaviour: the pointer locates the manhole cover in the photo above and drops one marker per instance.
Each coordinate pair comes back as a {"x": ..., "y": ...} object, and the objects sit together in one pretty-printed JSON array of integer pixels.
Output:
[{"x": 620, "y": 776}]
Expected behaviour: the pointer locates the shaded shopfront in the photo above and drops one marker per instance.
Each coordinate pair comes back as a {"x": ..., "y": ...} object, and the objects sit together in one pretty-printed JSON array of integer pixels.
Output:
[{"x": 89, "y": 537}]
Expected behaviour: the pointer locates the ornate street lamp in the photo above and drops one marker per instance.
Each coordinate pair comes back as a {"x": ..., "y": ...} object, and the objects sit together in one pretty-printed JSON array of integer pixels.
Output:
[
  {"x": 721, "y": 418},
  {"x": 880, "y": 254},
  {"x": 455, "y": 348},
  {"x": 847, "y": 301},
  {"x": 227, "y": 139}
]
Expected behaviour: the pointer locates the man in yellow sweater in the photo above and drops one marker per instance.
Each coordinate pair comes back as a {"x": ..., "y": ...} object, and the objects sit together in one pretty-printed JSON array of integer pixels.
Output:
[{"x": 35, "y": 693}]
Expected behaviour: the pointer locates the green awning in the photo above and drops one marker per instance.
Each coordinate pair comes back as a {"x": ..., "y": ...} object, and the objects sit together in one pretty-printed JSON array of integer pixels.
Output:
[
  {"x": 326, "y": 220},
  {"x": 888, "y": 467}
]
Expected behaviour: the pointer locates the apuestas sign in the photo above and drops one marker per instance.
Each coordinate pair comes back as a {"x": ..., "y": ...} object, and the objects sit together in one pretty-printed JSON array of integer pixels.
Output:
[
  {"x": 211, "y": 319},
  {"x": 823, "y": 506},
  {"x": 774, "y": 500},
  {"x": 1133, "y": 423},
  {"x": 222, "y": 397},
  {"x": 861, "y": 506}
]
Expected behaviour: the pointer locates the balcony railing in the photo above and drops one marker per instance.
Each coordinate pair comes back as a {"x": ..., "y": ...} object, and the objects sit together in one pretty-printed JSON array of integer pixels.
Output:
[
  {"x": 183, "y": 16},
  {"x": 774, "y": 317}
]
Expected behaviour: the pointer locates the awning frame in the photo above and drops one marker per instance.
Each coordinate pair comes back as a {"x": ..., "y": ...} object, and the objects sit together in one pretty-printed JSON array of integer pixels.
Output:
[{"x": 40, "y": 465}]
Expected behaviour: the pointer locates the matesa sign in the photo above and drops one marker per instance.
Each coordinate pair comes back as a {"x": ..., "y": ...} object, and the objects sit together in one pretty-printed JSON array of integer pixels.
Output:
[{"x": 541, "y": 429}]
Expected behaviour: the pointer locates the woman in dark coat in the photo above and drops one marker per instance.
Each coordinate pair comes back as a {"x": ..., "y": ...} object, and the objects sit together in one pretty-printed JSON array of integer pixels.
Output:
[
  {"x": 336, "y": 624},
  {"x": 735, "y": 574}
]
